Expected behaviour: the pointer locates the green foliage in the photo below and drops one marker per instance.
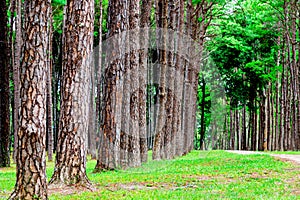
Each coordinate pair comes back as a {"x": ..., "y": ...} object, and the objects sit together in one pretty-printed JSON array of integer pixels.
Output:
[
  {"x": 59, "y": 2},
  {"x": 245, "y": 50}
]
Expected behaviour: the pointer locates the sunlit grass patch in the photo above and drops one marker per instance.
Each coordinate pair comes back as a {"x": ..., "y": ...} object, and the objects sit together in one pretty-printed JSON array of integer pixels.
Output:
[{"x": 198, "y": 175}]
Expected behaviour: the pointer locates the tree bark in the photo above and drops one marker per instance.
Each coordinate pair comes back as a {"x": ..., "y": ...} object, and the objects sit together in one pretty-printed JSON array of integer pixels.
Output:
[
  {"x": 145, "y": 15},
  {"x": 31, "y": 156},
  {"x": 49, "y": 97},
  {"x": 134, "y": 154},
  {"x": 111, "y": 111},
  {"x": 158, "y": 148},
  {"x": 70, "y": 166}
]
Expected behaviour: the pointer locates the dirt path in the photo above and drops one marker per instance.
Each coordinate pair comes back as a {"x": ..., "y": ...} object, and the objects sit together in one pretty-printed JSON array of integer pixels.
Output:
[{"x": 283, "y": 157}]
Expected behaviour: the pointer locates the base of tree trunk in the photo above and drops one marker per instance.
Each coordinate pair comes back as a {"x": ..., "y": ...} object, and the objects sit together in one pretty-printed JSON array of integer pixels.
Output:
[
  {"x": 17, "y": 194},
  {"x": 55, "y": 185},
  {"x": 102, "y": 168},
  {"x": 60, "y": 181}
]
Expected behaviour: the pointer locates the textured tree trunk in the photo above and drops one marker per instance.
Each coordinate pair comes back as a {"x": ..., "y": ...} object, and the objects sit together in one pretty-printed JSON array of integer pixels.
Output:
[
  {"x": 232, "y": 139},
  {"x": 134, "y": 154},
  {"x": 31, "y": 156},
  {"x": 110, "y": 130},
  {"x": 16, "y": 51},
  {"x": 144, "y": 41},
  {"x": 70, "y": 166},
  {"x": 99, "y": 78},
  {"x": 170, "y": 77},
  {"x": 49, "y": 98},
  {"x": 237, "y": 125},
  {"x": 92, "y": 116},
  {"x": 298, "y": 79},
  {"x": 294, "y": 77},
  {"x": 158, "y": 148},
  {"x": 178, "y": 85},
  {"x": 244, "y": 130},
  {"x": 4, "y": 89}
]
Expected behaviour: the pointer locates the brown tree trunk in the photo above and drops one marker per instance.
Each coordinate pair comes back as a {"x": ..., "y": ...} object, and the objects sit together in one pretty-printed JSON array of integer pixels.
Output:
[
  {"x": 4, "y": 89},
  {"x": 158, "y": 148},
  {"x": 70, "y": 166},
  {"x": 244, "y": 130},
  {"x": 170, "y": 77},
  {"x": 31, "y": 156},
  {"x": 232, "y": 139},
  {"x": 111, "y": 111},
  {"x": 16, "y": 49},
  {"x": 134, "y": 155},
  {"x": 99, "y": 78},
  {"x": 144, "y": 41},
  {"x": 49, "y": 97}
]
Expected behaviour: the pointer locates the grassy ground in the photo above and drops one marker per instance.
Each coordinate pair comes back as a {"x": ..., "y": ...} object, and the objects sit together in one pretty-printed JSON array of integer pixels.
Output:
[
  {"x": 199, "y": 175},
  {"x": 285, "y": 152}
]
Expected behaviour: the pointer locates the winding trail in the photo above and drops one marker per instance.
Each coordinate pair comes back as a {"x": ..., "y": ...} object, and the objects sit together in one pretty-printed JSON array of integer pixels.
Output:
[{"x": 283, "y": 157}]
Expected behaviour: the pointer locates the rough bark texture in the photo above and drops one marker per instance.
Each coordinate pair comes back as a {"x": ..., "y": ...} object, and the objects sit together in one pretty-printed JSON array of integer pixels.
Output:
[
  {"x": 178, "y": 85},
  {"x": 110, "y": 131},
  {"x": 144, "y": 41},
  {"x": 134, "y": 156},
  {"x": 99, "y": 77},
  {"x": 31, "y": 154},
  {"x": 70, "y": 163},
  {"x": 4, "y": 88},
  {"x": 49, "y": 99},
  {"x": 158, "y": 148},
  {"x": 16, "y": 49}
]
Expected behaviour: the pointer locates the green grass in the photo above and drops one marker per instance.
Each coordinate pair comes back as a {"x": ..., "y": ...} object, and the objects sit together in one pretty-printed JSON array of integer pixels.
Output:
[
  {"x": 285, "y": 152},
  {"x": 199, "y": 175}
]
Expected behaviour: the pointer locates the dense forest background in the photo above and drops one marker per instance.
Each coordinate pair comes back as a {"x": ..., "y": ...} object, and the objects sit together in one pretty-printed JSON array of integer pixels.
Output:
[{"x": 168, "y": 76}]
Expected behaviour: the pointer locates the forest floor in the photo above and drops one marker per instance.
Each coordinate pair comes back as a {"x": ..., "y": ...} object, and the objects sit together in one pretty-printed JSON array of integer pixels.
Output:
[{"x": 198, "y": 175}]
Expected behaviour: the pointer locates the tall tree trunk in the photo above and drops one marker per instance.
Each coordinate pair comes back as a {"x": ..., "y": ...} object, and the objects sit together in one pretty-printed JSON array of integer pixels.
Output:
[
  {"x": 70, "y": 165},
  {"x": 134, "y": 154},
  {"x": 49, "y": 97},
  {"x": 237, "y": 124},
  {"x": 244, "y": 130},
  {"x": 144, "y": 41},
  {"x": 232, "y": 138},
  {"x": 110, "y": 130},
  {"x": 4, "y": 89},
  {"x": 16, "y": 48},
  {"x": 158, "y": 148},
  {"x": 178, "y": 85},
  {"x": 99, "y": 77},
  {"x": 31, "y": 156},
  {"x": 170, "y": 77},
  {"x": 294, "y": 77}
]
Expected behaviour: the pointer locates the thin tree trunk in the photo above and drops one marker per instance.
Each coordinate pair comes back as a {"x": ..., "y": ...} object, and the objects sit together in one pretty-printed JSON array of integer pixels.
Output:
[
  {"x": 178, "y": 85},
  {"x": 134, "y": 154},
  {"x": 145, "y": 15},
  {"x": 16, "y": 48},
  {"x": 99, "y": 78},
  {"x": 158, "y": 148},
  {"x": 49, "y": 97}
]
